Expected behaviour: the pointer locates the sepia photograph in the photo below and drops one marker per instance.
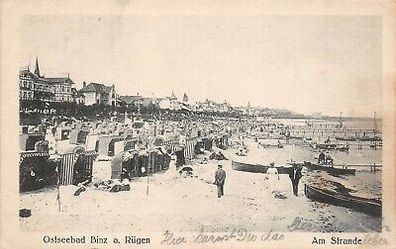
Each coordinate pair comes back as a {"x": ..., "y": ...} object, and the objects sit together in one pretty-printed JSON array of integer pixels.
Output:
[{"x": 202, "y": 130}]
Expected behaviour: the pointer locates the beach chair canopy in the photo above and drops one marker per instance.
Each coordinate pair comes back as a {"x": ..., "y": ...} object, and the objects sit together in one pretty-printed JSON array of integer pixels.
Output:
[{"x": 28, "y": 141}]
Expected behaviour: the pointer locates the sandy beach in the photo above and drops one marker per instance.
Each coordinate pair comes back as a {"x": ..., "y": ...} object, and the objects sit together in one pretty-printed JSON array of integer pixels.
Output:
[{"x": 171, "y": 204}]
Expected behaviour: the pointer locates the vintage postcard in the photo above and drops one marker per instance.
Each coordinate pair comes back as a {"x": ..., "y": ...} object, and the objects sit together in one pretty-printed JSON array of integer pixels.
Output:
[{"x": 198, "y": 124}]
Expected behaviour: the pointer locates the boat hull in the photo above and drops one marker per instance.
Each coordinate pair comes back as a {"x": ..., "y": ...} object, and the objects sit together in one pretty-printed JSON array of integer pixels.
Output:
[
  {"x": 257, "y": 168},
  {"x": 247, "y": 167},
  {"x": 368, "y": 206},
  {"x": 329, "y": 169}
]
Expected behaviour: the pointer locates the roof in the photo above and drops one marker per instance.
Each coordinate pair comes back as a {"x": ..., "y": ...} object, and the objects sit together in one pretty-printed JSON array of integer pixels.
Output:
[
  {"x": 145, "y": 101},
  {"x": 76, "y": 92},
  {"x": 96, "y": 87},
  {"x": 107, "y": 89},
  {"x": 27, "y": 73},
  {"x": 130, "y": 99},
  {"x": 59, "y": 80}
]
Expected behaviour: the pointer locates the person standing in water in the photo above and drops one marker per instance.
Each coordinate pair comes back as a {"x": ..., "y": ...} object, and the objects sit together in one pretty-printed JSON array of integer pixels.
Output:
[{"x": 220, "y": 177}]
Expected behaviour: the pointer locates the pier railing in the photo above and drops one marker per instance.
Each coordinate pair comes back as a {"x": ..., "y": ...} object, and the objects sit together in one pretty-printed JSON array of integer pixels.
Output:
[{"x": 373, "y": 166}]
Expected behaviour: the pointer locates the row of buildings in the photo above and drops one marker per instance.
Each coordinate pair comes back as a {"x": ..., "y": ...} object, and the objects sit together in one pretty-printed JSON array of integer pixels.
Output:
[{"x": 35, "y": 86}]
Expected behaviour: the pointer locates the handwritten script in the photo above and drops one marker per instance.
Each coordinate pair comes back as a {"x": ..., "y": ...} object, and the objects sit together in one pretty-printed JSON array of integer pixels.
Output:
[{"x": 236, "y": 235}]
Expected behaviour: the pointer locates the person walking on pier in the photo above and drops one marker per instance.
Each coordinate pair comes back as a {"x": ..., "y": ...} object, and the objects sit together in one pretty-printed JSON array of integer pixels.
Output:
[
  {"x": 220, "y": 177},
  {"x": 295, "y": 176}
]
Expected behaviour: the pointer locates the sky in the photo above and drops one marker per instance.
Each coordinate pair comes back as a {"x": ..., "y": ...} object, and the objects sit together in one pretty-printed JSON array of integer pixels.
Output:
[{"x": 306, "y": 64}]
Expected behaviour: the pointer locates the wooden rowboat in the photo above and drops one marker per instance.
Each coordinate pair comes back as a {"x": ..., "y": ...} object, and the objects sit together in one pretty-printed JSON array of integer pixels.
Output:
[
  {"x": 349, "y": 138},
  {"x": 326, "y": 146},
  {"x": 330, "y": 169},
  {"x": 370, "y": 206},
  {"x": 248, "y": 167},
  {"x": 258, "y": 168}
]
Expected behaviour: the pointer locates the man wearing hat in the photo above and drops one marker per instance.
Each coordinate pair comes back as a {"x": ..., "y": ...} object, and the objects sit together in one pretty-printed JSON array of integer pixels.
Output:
[
  {"x": 295, "y": 176},
  {"x": 220, "y": 176}
]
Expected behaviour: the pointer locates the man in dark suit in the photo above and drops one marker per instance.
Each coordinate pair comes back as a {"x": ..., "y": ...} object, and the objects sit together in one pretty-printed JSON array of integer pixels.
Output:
[
  {"x": 295, "y": 176},
  {"x": 322, "y": 158},
  {"x": 220, "y": 177}
]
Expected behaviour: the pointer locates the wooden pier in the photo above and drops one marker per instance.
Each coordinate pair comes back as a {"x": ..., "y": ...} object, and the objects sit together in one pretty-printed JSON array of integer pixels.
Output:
[{"x": 374, "y": 167}]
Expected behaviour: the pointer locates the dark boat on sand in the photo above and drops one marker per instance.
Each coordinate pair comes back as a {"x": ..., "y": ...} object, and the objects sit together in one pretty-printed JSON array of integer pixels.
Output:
[
  {"x": 371, "y": 139},
  {"x": 258, "y": 168},
  {"x": 370, "y": 206},
  {"x": 349, "y": 138},
  {"x": 330, "y": 169},
  {"x": 362, "y": 138},
  {"x": 248, "y": 167},
  {"x": 343, "y": 148},
  {"x": 328, "y": 146}
]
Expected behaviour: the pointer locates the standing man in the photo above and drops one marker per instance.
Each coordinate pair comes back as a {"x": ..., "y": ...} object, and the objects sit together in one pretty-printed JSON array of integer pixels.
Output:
[
  {"x": 322, "y": 158},
  {"x": 220, "y": 177},
  {"x": 295, "y": 176}
]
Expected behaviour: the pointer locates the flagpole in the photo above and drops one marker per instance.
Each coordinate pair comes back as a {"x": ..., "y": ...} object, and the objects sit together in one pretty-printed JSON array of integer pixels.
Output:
[
  {"x": 148, "y": 184},
  {"x": 58, "y": 162},
  {"x": 148, "y": 178}
]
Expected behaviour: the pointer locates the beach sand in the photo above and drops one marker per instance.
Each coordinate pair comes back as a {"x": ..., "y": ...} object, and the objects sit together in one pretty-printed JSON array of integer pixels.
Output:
[{"x": 189, "y": 204}]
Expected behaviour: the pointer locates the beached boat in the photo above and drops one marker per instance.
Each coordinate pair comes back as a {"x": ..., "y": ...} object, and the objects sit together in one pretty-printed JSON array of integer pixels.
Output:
[
  {"x": 369, "y": 206},
  {"x": 375, "y": 145},
  {"x": 325, "y": 146},
  {"x": 349, "y": 138},
  {"x": 362, "y": 138},
  {"x": 328, "y": 146},
  {"x": 258, "y": 168},
  {"x": 343, "y": 147},
  {"x": 265, "y": 146},
  {"x": 370, "y": 139},
  {"x": 248, "y": 167},
  {"x": 330, "y": 169}
]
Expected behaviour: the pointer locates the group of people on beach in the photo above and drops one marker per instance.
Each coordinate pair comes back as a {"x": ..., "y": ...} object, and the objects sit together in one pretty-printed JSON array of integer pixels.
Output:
[
  {"x": 325, "y": 158},
  {"x": 220, "y": 175}
]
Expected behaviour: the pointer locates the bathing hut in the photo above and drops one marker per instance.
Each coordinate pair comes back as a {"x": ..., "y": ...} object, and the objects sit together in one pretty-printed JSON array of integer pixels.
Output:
[
  {"x": 119, "y": 162},
  {"x": 78, "y": 136},
  {"x": 138, "y": 163},
  {"x": 162, "y": 160},
  {"x": 207, "y": 141},
  {"x": 135, "y": 163},
  {"x": 92, "y": 142},
  {"x": 63, "y": 132},
  {"x": 76, "y": 165},
  {"x": 130, "y": 144},
  {"x": 36, "y": 171},
  {"x": 110, "y": 145},
  {"x": 222, "y": 141},
  {"x": 189, "y": 146},
  {"x": 199, "y": 147},
  {"x": 27, "y": 142},
  {"x": 180, "y": 159},
  {"x": 158, "y": 140}
]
